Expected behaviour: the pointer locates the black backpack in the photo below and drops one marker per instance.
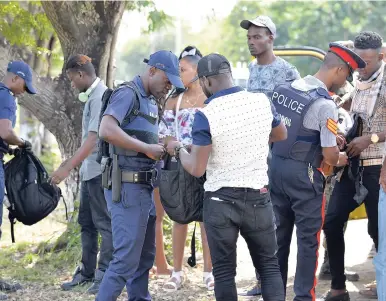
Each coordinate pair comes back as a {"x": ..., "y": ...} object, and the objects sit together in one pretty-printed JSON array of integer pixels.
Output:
[{"x": 31, "y": 197}]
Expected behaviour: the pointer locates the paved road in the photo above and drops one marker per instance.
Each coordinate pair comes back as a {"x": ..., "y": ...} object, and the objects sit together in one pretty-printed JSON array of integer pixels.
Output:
[{"x": 358, "y": 245}]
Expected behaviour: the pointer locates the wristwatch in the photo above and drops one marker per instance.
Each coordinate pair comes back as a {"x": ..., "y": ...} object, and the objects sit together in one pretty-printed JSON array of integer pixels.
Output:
[
  {"x": 374, "y": 138},
  {"x": 177, "y": 151}
]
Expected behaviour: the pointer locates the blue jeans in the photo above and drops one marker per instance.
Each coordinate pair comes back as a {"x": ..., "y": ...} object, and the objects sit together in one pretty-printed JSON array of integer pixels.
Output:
[
  {"x": 2, "y": 189},
  {"x": 380, "y": 258}
]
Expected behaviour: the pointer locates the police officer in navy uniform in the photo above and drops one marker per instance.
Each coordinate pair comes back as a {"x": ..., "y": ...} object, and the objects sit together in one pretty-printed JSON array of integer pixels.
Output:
[
  {"x": 18, "y": 80},
  {"x": 296, "y": 183},
  {"x": 137, "y": 149}
]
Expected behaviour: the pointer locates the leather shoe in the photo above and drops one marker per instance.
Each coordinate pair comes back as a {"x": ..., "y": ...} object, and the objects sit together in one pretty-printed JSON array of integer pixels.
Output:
[
  {"x": 77, "y": 280},
  {"x": 94, "y": 288},
  {"x": 342, "y": 297}
]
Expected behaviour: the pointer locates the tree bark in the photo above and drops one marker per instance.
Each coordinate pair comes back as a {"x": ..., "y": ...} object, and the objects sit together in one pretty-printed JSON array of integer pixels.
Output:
[{"x": 87, "y": 27}]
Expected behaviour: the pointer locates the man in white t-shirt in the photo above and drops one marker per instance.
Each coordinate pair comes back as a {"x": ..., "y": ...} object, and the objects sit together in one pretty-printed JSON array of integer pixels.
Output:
[{"x": 233, "y": 152}]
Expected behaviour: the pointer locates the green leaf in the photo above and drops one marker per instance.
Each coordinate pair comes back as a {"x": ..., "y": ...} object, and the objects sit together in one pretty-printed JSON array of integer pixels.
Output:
[{"x": 23, "y": 23}]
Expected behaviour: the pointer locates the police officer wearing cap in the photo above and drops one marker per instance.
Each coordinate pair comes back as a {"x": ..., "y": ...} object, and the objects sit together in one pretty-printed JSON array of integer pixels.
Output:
[
  {"x": 296, "y": 183},
  {"x": 359, "y": 182},
  {"x": 18, "y": 80},
  {"x": 130, "y": 201}
]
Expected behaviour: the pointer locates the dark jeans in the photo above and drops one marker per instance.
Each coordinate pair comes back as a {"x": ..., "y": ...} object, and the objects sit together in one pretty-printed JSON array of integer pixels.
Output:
[
  {"x": 93, "y": 219},
  {"x": 227, "y": 212},
  {"x": 341, "y": 204}
]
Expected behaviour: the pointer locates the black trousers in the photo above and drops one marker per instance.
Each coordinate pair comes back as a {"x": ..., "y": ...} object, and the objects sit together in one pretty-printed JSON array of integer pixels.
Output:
[
  {"x": 298, "y": 201},
  {"x": 340, "y": 206},
  {"x": 94, "y": 218},
  {"x": 227, "y": 212}
]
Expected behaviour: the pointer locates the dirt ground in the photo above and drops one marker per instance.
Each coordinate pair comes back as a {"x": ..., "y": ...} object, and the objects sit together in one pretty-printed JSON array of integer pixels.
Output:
[
  {"x": 358, "y": 245},
  {"x": 192, "y": 290}
]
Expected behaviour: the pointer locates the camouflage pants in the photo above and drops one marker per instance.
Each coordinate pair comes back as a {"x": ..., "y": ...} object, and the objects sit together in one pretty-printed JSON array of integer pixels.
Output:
[{"x": 330, "y": 183}]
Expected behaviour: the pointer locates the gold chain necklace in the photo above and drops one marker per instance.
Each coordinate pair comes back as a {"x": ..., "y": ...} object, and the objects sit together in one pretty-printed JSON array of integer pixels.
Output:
[{"x": 187, "y": 100}]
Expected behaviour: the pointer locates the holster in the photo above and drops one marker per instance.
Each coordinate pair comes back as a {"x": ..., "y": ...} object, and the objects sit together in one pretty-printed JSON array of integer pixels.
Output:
[
  {"x": 116, "y": 179},
  {"x": 106, "y": 168}
]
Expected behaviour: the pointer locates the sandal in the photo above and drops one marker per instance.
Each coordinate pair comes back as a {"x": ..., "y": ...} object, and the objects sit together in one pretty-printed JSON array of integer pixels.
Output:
[
  {"x": 153, "y": 272},
  {"x": 209, "y": 281},
  {"x": 369, "y": 293},
  {"x": 174, "y": 283},
  {"x": 371, "y": 285}
]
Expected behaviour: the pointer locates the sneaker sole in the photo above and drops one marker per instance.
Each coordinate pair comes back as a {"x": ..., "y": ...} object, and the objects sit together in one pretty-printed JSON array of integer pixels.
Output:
[{"x": 74, "y": 286}]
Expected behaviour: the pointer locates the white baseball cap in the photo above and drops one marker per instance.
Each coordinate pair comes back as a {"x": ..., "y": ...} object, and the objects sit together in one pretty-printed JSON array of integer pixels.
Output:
[{"x": 260, "y": 21}]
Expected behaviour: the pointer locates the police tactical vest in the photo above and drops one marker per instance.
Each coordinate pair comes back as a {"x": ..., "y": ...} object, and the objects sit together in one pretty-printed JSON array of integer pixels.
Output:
[
  {"x": 136, "y": 120},
  {"x": 302, "y": 144}
]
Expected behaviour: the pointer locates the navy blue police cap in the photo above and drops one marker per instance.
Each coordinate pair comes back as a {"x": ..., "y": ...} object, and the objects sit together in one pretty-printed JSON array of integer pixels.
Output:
[
  {"x": 353, "y": 60},
  {"x": 168, "y": 62},
  {"x": 24, "y": 71}
]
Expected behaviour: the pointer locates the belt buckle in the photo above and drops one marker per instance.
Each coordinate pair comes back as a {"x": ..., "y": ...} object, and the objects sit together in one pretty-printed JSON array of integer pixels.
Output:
[
  {"x": 135, "y": 177},
  {"x": 147, "y": 173}
]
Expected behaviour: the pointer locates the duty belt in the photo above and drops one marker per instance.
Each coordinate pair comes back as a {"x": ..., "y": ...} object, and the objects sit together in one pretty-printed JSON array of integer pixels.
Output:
[{"x": 139, "y": 177}]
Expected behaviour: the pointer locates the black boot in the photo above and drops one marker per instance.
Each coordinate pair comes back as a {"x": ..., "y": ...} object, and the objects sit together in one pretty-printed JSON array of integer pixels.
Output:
[
  {"x": 94, "y": 288},
  {"x": 77, "y": 280}
]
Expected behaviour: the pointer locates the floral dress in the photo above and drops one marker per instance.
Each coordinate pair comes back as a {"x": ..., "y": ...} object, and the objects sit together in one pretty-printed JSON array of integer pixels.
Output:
[{"x": 185, "y": 118}]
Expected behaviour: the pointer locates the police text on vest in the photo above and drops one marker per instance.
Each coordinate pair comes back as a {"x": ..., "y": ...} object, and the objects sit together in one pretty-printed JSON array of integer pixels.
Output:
[{"x": 287, "y": 102}]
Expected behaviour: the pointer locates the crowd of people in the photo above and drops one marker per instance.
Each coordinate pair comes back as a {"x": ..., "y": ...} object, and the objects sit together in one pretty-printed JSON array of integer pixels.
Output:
[{"x": 264, "y": 152}]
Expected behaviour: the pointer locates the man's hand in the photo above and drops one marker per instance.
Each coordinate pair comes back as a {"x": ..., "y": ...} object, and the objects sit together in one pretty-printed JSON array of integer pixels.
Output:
[
  {"x": 26, "y": 145},
  {"x": 343, "y": 159},
  {"x": 155, "y": 151},
  {"x": 341, "y": 141},
  {"x": 60, "y": 174},
  {"x": 171, "y": 147},
  {"x": 358, "y": 145}
]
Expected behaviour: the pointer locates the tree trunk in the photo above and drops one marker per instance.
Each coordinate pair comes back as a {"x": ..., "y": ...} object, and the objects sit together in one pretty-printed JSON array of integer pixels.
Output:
[
  {"x": 82, "y": 27},
  {"x": 87, "y": 27}
]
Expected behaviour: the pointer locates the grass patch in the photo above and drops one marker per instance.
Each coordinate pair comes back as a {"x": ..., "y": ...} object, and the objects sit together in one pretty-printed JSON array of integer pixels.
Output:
[{"x": 44, "y": 262}]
